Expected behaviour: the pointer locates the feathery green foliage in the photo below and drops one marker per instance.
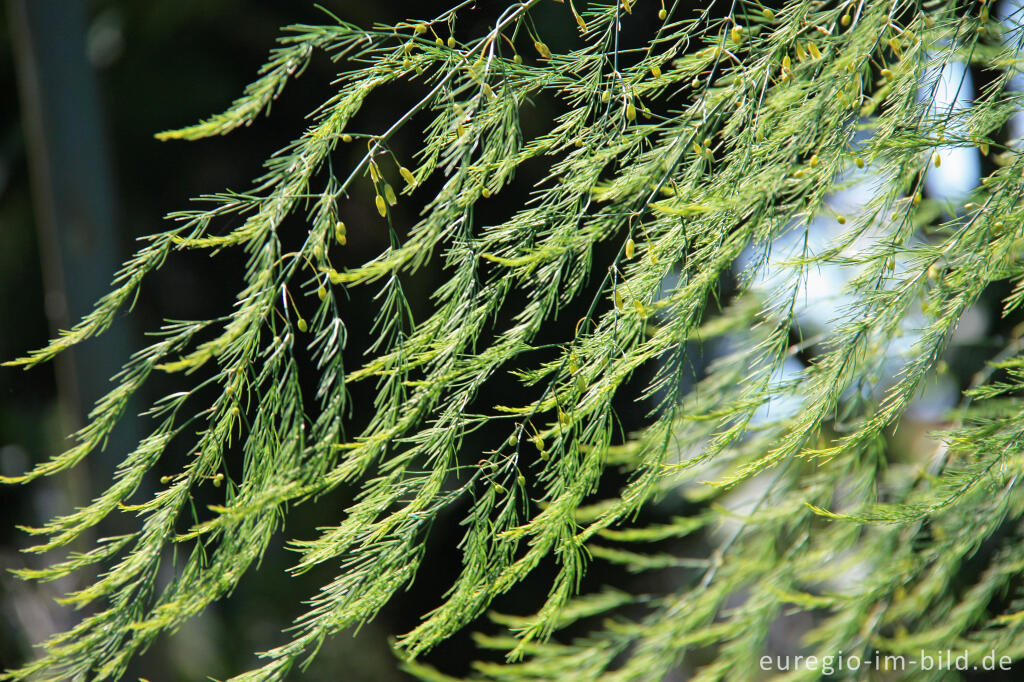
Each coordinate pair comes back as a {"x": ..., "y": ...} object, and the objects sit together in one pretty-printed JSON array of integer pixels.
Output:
[{"x": 728, "y": 130}]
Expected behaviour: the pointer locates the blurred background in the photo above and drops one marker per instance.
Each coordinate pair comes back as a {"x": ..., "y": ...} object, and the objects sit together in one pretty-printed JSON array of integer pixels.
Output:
[{"x": 86, "y": 85}]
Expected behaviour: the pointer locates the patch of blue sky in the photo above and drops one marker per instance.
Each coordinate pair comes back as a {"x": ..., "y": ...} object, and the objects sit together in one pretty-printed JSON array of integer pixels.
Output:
[{"x": 949, "y": 90}]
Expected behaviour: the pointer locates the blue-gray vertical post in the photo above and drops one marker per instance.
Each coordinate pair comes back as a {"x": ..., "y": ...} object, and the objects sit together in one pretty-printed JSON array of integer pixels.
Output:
[{"x": 73, "y": 193}]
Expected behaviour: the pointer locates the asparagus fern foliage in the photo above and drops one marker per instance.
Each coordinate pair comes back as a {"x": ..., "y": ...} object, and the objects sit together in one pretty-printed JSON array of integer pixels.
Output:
[{"x": 726, "y": 138}]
